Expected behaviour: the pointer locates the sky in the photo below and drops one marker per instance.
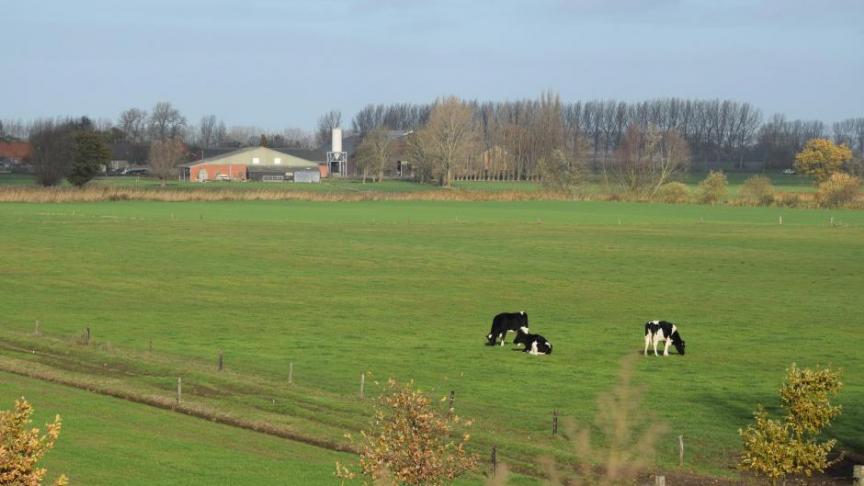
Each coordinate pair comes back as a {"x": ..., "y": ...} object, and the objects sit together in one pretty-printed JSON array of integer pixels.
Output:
[{"x": 280, "y": 64}]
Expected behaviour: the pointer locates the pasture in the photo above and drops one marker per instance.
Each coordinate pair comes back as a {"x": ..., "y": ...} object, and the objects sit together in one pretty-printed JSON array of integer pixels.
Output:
[{"x": 408, "y": 289}]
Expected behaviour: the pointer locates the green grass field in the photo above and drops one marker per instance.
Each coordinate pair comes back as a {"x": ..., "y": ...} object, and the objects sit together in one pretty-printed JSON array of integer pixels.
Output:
[
  {"x": 408, "y": 289},
  {"x": 110, "y": 441}
]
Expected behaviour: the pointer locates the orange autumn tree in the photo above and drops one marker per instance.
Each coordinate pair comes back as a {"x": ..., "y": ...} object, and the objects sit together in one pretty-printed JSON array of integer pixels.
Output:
[
  {"x": 820, "y": 158},
  {"x": 21, "y": 449},
  {"x": 411, "y": 443}
]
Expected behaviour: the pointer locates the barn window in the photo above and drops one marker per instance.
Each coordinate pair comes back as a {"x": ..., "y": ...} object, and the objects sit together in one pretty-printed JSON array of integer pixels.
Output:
[
  {"x": 277, "y": 161},
  {"x": 256, "y": 160}
]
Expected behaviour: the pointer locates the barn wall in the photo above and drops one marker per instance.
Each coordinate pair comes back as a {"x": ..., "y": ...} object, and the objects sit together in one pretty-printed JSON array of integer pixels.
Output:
[{"x": 237, "y": 171}]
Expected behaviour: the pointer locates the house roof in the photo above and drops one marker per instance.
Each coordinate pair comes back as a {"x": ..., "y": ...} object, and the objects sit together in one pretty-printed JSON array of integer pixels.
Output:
[
  {"x": 15, "y": 150},
  {"x": 294, "y": 157}
]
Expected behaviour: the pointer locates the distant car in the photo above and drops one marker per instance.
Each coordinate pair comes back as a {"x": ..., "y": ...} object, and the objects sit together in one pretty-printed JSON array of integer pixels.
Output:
[
  {"x": 789, "y": 171},
  {"x": 134, "y": 171}
]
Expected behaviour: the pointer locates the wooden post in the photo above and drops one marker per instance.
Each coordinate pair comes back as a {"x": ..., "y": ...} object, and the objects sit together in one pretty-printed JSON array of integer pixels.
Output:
[
  {"x": 555, "y": 422},
  {"x": 780, "y": 220},
  {"x": 179, "y": 389},
  {"x": 362, "y": 384},
  {"x": 452, "y": 398},
  {"x": 858, "y": 475},
  {"x": 87, "y": 336},
  {"x": 291, "y": 373},
  {"x": 220, "y": 361},
  {"x": 494, "y": 459},
  {"x": 659, "y": 480},
  {"x": 681, "y": 450},
  {"x": 832, "y": 220}
]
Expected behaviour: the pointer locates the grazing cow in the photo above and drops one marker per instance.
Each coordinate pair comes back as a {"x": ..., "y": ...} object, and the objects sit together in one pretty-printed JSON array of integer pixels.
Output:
[
  {"x": 534, "y": 343},
  {"x": 506, "y": 321},
  {"x": 656, "y": 331}
]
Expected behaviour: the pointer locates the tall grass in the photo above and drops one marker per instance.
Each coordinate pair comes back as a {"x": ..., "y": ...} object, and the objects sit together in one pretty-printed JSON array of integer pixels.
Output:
[{"x": 101, "y": 193}]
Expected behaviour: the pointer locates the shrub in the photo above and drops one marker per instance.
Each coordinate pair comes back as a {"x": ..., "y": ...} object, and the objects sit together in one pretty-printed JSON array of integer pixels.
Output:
[
  {"x": 21, "y": 449},
  {"x": 820, "y": 158},
  {"x": 787, "y": 199},
  {"x": 758, "y": 190},
  {"x": 713, "y": 188},
  {"x": 775, "y": 448},
  {"x": 839, "y": 189},
  {"x": 673, "y": 192},
  {"x": 410, "y": 443}
]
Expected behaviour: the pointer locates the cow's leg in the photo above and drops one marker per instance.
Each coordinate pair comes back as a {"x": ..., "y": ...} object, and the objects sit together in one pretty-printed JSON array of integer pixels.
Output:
[
  {"x": 502, "y": 336},
  {"x": 666, "y": 349},
  {"x": 647, "y": 343},
  {"x": 655, "y": 346}
]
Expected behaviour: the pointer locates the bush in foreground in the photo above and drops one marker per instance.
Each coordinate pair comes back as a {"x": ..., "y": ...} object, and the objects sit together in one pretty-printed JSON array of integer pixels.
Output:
[
  {"x": 776, "y": 449},
  {"x": 629, "y": 443},
  {"x": 758, "y": 190},
  {"x": 839, "y": 189},
  {"x": 21, "y": 449},
  {"x": 713, "y": 188},
  {"x": 673, "y": 193},
  {"x": 410, "y": 443}
]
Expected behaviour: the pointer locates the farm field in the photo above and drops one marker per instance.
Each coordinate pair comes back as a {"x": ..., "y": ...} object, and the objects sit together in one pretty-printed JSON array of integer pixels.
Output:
[
  {"x": 407, "y": 290},
  {"x": 110, "y": 441}
]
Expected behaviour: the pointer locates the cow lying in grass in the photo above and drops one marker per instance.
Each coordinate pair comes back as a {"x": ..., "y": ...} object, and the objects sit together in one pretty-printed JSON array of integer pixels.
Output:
[
  {"x": 534, "y": 343},
  {"x": 656, "y": 331},
  {"x": 506, "y": 321}
]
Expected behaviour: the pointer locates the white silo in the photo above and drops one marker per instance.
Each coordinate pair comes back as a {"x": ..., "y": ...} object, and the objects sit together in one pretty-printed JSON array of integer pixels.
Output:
[{"x": 336, "y": 140}]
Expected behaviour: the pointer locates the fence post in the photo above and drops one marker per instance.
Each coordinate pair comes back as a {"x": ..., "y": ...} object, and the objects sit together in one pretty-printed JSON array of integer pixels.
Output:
[
  {"x": 452, "y": 398},
  {"x": 179, "y": 389},
  {"x": 220, "y": 361},
  {"x": 659, "y": 480},
  {"x": 780, "y": 220},
  {"x": 832, "y": 220},
  {"x": 87, "y": 336},
  {"x": 494, "y": 459},
  {"x": 291, "y": 373},
  {"x": 681, "y": 450},
  {"x": 858, "y": 475},
  {"x": 362, "y": 384},
  {"x": 555, "y": 422}
]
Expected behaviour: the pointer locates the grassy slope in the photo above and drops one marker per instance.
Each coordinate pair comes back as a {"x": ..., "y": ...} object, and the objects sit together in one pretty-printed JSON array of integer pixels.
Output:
[
  {"x": 110, "y": 441},
  {"x": 408, "y": 290}
]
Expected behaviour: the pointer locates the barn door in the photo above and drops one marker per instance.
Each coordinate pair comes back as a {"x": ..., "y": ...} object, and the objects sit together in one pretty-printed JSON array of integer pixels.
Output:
[{"x": 202, "y": 175}]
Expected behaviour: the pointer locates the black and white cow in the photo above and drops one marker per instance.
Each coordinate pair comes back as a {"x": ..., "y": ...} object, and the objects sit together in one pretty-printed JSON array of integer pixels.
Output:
[
  {"x": 506, "y": 321},
  {"x": 656, "y": 331},
  {"x": 534, "y": 343}
]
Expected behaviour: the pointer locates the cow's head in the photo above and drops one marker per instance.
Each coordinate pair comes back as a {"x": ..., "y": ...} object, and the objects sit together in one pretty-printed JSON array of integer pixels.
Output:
[
  {"x": 679, "y": 345},
  {"x": 490, "y": 340}
]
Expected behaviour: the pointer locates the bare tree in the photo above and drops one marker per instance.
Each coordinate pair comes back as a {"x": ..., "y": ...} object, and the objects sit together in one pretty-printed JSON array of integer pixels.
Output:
[
  {"x": 374, "y": 153},
  {"x": 165, "y": 156},
  {"x": 166, "y": 121},
  {"x": 672, "y": 158},
  {"x": 207, "y": 131},
  {"x": 326, "y": 123},
  {"x": 451, "y": 135}
]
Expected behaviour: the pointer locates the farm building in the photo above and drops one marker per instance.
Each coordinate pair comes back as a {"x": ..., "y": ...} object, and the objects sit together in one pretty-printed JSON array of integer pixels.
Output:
[{"x": 252, "y": 163}]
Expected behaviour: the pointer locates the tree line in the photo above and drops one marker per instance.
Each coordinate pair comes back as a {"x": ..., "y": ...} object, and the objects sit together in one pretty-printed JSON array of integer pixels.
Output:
[{"x": 715, "y": 130}]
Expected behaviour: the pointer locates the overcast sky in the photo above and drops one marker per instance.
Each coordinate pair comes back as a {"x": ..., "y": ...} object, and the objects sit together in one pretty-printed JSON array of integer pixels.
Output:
[{"x": 278, "y": 64}]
